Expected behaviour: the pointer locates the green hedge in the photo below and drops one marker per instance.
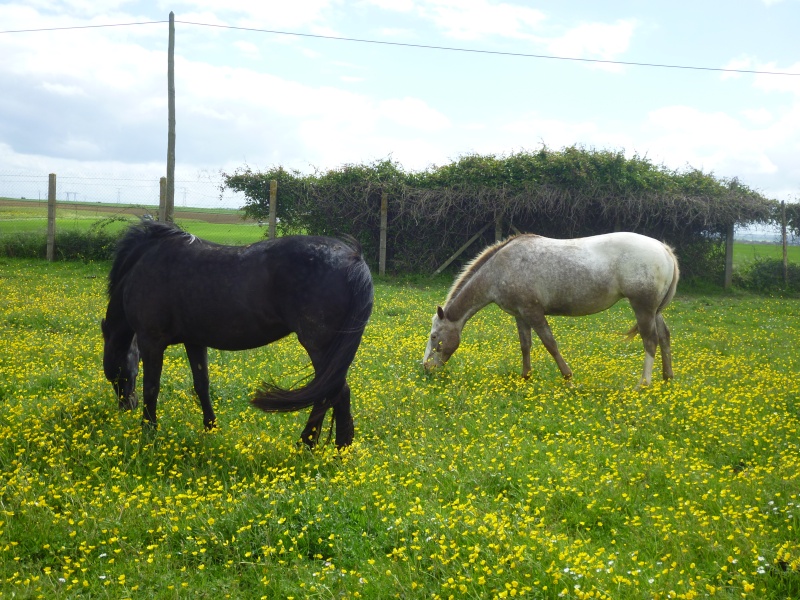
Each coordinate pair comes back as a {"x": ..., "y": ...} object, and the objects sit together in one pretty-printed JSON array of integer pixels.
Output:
[
  {"x": 766, "y": 275},
  {"x": 568, "y": 193},
  {"x": 97, "y": 243}
]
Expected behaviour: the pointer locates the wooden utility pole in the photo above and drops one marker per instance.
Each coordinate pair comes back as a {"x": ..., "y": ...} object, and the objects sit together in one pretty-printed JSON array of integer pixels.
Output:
[
  {"x": 51, "y": 217},
  {"x": 162, "y": 199},
  {"x": 384, "y": 221},
  {"x": 170, "y": 195}
]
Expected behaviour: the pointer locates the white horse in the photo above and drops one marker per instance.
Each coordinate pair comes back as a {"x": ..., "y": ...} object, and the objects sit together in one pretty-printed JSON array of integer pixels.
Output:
[{"x": 529, "y": 276}]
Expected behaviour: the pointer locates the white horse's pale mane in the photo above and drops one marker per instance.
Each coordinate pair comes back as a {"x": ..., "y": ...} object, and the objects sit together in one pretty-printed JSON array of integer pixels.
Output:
[{"x": 472, "y": 267}]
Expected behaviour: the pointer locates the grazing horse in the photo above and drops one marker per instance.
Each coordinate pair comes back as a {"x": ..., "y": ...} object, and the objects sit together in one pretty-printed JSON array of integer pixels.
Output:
[
  {"x": 169, "y": 287},
  {"x": 529, "y": 276}
]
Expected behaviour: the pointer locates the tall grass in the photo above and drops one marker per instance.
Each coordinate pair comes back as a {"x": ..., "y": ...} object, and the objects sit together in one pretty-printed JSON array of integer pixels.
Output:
[{"x": 471, "y": 483}]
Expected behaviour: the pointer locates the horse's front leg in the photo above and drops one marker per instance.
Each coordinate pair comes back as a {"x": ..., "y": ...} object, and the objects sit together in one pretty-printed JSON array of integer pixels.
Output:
[
  {"x": 198, "y": 360},
  {"x": 542, "y": 329},
  {"x": 152, "y": 363},
  {"x": 525, "y": 344}
]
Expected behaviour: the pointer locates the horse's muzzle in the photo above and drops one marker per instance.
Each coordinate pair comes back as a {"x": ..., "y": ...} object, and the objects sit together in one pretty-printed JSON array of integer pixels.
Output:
[
  {"x": 130, "y": 402},
  {"x": 431, "y": 363}
]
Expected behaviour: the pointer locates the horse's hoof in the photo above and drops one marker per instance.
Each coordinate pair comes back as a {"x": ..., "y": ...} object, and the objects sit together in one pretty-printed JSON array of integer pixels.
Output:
[
  {"x": 210, "y": 425},
  {"x": 307, "y": 443},
  {"x": 148, "y": 425}
]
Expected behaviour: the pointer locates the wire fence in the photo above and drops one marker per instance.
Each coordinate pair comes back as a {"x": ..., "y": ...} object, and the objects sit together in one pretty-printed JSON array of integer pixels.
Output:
[{"x": 82, "y": 201}]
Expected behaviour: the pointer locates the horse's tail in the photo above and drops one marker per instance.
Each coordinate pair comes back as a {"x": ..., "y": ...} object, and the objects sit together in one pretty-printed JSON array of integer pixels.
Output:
[
  {"x": 332, "y": 372},
  {"x": 634, "y": 331}
]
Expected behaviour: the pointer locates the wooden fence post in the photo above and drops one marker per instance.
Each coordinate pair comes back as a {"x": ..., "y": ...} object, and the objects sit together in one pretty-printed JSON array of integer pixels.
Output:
[
  {"x": 729, "y": 257},
  {"x": 273, "y": 207},
  {"x": 783, "y": 243},
  {"x": 382, "y": 246},
  {"x": 51, "y": 217},
  {"x": 162, "y": 199}
]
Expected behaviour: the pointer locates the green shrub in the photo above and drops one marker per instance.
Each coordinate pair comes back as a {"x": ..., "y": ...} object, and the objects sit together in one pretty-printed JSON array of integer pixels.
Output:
[
  {"x": 765, "y": 275},
  {"x": 24, "y": 244}
]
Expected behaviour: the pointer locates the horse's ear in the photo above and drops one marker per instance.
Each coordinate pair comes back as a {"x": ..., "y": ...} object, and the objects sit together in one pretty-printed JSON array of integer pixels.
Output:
[{"x": 440, "y": 312}]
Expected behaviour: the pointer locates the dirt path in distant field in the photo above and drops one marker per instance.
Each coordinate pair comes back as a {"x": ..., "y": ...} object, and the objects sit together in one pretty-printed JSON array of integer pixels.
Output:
[{"x": 180, "y": 213}]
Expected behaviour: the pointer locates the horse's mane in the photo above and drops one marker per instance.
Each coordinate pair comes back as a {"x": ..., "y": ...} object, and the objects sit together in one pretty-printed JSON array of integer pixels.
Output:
[
  {"x": 132, "y": 245},
  {"x": 474, "y": 265}
]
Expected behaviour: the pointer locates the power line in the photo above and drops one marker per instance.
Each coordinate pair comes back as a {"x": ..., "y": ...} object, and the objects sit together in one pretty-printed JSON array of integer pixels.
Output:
[
  {"x": 428, "y": 47},
  {"x": 82, "y": 27}
]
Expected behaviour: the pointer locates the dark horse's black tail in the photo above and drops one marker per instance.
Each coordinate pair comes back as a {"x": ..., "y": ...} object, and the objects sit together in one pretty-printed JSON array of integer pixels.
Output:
[{"x": 332, "y": 372}]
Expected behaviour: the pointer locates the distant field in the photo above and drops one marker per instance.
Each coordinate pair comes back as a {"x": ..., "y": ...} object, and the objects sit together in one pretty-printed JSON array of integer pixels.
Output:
[
  {"x": 220, "y": 225},
  {"x": 224, "y": 225},
  {"x": 745, "y": 252}
]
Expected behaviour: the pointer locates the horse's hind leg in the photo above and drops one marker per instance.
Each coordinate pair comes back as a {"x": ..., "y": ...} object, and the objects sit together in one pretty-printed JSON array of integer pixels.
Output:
[
  {"x": 341, "y": 416},
  {"x": 345, "y": 429},
  {"x": 198, "y": 360},
  {"x": 646, "y": 322},
  {"x": 664, "y": 345},
  {"x": 313, "y": 428}
]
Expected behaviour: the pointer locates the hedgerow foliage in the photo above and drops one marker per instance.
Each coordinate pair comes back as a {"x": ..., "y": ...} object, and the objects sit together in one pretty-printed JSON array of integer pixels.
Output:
[
  {"x": 97, "y": 243},
  {"x": 568, "y": 193},
  {"x": 766, "y": 275}
]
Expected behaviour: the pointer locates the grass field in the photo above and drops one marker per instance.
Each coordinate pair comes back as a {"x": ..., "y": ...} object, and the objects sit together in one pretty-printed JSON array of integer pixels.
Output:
[
  {"x": 470, "y": 483},
  {"x": 219, "y": 225}
]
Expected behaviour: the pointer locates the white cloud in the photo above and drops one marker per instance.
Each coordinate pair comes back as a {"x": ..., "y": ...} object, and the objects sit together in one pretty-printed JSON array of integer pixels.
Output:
[
  {"x": 710, "y": 141},
  {"x": 414, "y": 114},
  {"x": 273, "y": 14},
  {"x": 758, "y": 116},
  {"x": 532, "y": 130},
  {"x": 600, "y": 41},
  {"x": 248, "y": 49},
  {"x": 63, "y": 90},
  {"x": 397, "y": 33},
  {"x": 476, "y": 19},
  {"x": 779, "y": 83},
  {"x": 395, "y": 5},
  {"x": 743, "y": 63}
]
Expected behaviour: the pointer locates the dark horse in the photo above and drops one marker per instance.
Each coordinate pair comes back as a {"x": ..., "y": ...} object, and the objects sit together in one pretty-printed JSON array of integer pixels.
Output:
[{"x": 169, "y": 287}]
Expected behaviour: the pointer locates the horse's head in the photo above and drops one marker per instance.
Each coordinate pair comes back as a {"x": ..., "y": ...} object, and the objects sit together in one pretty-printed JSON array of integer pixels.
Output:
[
  {"x": 443, "y": 341},
  {"x": 121, "y": 366}
]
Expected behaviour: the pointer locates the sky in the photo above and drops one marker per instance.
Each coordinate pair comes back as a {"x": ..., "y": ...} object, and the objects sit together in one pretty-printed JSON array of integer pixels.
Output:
[{"x": 83, "y": 85}]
